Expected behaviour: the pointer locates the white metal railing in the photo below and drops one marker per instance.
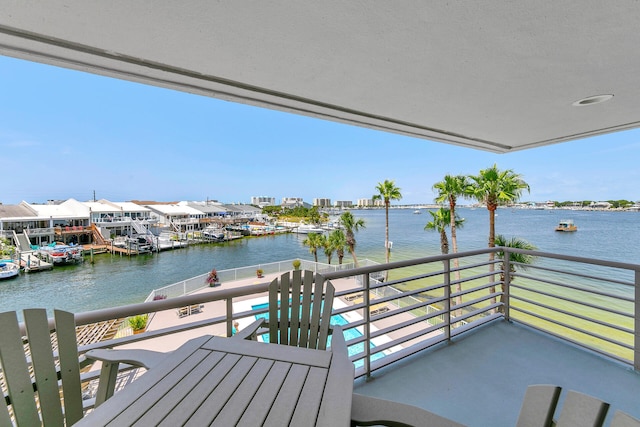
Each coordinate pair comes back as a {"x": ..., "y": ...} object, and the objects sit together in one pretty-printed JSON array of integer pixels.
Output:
[
  {"x": 196, "y": 283},
  {"x": 588, "y": 302}
]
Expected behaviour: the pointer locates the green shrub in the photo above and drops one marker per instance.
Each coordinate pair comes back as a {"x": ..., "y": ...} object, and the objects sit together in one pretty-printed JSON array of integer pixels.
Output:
[{"x": 138, "y": 322}]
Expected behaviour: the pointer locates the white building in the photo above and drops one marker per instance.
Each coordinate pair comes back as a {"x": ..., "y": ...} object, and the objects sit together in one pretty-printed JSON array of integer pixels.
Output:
[
  {"x": 343, "y": 204},
  {"x": 292, "y": 202},
  {"x": 322, "y": 203},
  {"x": 263, "y": 201}
]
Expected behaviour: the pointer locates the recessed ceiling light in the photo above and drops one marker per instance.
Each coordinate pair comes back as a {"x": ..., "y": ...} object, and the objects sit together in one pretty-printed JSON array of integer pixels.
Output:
[{"x": 596, "y": 99}]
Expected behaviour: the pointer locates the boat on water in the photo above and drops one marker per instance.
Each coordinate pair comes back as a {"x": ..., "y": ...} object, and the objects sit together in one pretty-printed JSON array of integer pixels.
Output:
[
  {"x": 417, "y": 211},
  {"x": 138, "y": 243},
  {"x": 215, "y": 234},
  {"x": 566, "y": 225},
  {"x": 8, "y": 270},
  {"x": 308, "y": 229},
  {"x": 58, "y": 253}
]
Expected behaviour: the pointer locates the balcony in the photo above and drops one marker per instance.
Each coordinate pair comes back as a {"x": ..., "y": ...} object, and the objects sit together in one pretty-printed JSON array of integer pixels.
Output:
[{"x": 463, "y": 340}]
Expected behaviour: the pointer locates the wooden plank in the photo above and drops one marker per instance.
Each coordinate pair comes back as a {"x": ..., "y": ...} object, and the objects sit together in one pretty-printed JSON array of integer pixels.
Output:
[
  {"x": 287, "y": 399},
  {"x": 243, "y": 396},
  {"x": 315, "y": 312},
  {"x": 110, "y": 409},
  {"x": 144, "y": 402},
  {"x": 69, "y": 366},
  {"x": 306, "y": 411},
  {"x": 44, "y": 368},
  {"x": 306, "y": 309},
  {"x": 290, "y": 354},
  {"x": 16, "y": 372},
  {"x": 221, "y": 395},
  {"x": 5, "y": 419},
  {"x": 263, "y": 400},
  {"x": 325, "y": 321},
  {"x": 295, "y": 308},
  {"x": 198, "y": 395},
  {"x": 283, "y": 315},
  {"x": 273, "y": 311},
  {"x": 338, "y": 392},
  {"x": 195, "y": 381}
]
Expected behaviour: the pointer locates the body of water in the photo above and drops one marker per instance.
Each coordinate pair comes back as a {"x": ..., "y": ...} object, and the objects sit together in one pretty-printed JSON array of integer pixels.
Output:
[{"x": 113, "y": 280}]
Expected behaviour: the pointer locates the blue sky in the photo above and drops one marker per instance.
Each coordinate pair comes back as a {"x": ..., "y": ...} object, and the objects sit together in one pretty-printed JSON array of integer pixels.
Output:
[{"x": 65, "y": 134}]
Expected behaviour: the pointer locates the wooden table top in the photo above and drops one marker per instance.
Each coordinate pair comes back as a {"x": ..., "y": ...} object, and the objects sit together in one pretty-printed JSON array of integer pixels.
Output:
[{"x": 229, "y": 381}]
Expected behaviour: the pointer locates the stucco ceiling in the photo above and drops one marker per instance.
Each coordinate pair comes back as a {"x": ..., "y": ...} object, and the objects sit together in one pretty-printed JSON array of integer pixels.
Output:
[{"x": 494, "y": 75}]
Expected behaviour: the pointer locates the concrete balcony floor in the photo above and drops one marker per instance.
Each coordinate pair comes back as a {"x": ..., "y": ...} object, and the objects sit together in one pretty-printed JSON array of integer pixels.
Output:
[{"x": 479, "y": 379}]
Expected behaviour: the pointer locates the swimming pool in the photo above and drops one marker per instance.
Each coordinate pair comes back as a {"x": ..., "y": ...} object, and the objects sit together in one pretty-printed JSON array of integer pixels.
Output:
[{"x": 336, "y": 319}]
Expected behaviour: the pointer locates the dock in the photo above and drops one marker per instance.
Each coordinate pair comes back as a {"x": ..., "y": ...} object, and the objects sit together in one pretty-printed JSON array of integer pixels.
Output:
[{"x": 31, "y": 263}]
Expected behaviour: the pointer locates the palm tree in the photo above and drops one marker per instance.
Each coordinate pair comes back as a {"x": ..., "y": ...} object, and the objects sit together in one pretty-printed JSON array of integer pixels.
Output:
[
  {"x": 338, "y": 241},
  {"x": 440, "y": 221},
  {"x": 493, "y": 188},
  {"x": 314, "y": 241},
  {"x": 351, "y": 226},
  {"x": 449, "y": 189},
  {"x": 521, "y": 260},
  {"x": 387, "y": 191},
  {"x": 327, "y": 247}
]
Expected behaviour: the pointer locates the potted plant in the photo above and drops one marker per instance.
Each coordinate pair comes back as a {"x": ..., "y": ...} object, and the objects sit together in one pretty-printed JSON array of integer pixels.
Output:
[
  {"x": 138, "y": 323},
  {"x": 259, "y": 273},
  {"x": 212, "y": 278},
  {"x": 296, "y": 264}
]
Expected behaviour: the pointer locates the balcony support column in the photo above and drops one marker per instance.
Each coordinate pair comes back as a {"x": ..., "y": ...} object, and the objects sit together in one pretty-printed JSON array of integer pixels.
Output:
[
  {"x": 229, "y": 303},
  {"x": 367, "y": 322},
  {"x": 636, "y": 329},
  {"x": 447, "y": 300},
  {"x": 506, "y": 283}
]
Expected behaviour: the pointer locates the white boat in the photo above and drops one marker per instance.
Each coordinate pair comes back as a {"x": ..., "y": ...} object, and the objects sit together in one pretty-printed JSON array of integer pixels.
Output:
[
  {"x": 59, "y": 253},
  {"x": 417, "y": 211},
  {"x": 308, "y": 229},
  {"x": 214, "y": 233},
  {"x": 8, "y": 270}
]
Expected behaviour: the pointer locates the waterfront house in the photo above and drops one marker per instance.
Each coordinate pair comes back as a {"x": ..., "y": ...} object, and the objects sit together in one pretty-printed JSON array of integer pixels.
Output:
[
  {"x": 119, "y": 218},
  {"x": 177, "y": 217},
  {"x": 494, "y": 75},
  {"x": 41, "y": 224}
]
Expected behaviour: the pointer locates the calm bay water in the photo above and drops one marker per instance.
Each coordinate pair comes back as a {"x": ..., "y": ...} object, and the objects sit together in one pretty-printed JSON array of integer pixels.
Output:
[{"x": 113, "y": 280}]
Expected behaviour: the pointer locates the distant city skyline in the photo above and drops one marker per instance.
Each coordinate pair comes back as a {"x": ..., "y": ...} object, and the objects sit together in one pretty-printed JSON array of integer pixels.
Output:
[{"x": 65, "y": 134}]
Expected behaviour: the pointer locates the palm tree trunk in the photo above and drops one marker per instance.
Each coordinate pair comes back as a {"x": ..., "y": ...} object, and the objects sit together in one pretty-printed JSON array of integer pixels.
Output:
[
  {"x": 456, "y": 261},
  {"x": 492, "y": 243},
  {"x": 386, "y": 231},
  {"x": 353, "y": 254}
]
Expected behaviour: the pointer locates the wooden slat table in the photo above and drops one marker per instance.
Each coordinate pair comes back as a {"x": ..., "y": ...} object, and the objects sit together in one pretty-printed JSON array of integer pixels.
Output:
[{"x": 229, "y": 381}]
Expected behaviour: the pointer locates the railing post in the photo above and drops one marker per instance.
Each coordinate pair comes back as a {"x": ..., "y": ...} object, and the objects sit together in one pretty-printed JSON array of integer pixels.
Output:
[
  {"x": 229, "y": 303},
  {"x": 506, "y": 284},
  {"x": 366, "y": 327},
  {"x": 636, "y": 331},
  {"x": 447, "y": 300}
]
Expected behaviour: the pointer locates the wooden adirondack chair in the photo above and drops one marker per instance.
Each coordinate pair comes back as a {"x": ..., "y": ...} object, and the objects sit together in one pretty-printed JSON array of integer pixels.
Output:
[
  {"x": 622, "y": 419},
  {"x": 42, "y": 401},
  {"x": 538, "y": 406},
  {"x": 582, "y": 410},
  {"x": 299, "y": 310},
  {"x": 31, "y": 408}
]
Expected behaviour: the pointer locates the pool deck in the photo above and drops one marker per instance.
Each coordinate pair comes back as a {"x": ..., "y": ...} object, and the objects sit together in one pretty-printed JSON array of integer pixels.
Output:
[{"x": 168, "y": 318}]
